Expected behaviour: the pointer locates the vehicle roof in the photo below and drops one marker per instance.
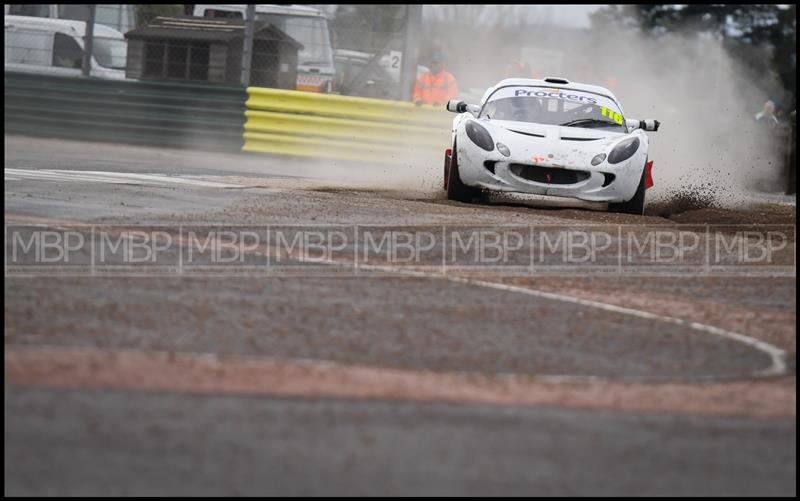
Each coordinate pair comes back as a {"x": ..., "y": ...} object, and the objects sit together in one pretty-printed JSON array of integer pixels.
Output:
[
  {"x": 366, "y": 56},
  {"x": 205, "y": 29},
  {"x": 513, "y": 82},
  {"x": 293, "y": 9},
  {"x": 352, "y": 54},
  {"x": 68, "y": 26}
]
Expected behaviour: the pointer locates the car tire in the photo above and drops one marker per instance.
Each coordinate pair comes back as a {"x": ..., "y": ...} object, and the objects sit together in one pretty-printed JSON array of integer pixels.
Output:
[
  {"x": 633, "y": 206},
  {"x": 456, "y": 190}
]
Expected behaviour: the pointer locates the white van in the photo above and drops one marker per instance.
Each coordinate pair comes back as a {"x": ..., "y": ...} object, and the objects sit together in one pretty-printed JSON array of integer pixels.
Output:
[
  {"x": 309, "y": 26},
  {"x": 55, "y": 47},
  {"x": 120, "y": 17}
]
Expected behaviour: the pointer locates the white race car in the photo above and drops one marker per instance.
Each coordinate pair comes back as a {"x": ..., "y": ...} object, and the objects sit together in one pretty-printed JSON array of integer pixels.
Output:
[{"x": 549, "y": 137}]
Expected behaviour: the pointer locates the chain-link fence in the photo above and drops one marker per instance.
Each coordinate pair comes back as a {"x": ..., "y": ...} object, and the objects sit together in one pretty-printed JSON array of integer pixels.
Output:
[
  {"x": 354, "y": 50},
  {"x": 369, "y": 42}
]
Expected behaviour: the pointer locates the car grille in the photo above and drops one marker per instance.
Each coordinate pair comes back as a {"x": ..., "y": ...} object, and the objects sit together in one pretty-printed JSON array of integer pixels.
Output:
[{"x": 547, "y": 175}]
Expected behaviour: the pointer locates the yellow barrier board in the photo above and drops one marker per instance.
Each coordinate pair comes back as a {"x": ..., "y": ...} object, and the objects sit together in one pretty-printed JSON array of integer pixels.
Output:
[
  {"x": 357, "y": 108},
  {"x": 281, "y": 144},
  {"x": 309, "y": 124},
  {"x": 339, "y": 128}
]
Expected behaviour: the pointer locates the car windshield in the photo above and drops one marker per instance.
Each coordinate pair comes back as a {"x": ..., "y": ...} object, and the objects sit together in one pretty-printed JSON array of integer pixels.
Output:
[
  {"x": 312, "y": 32},
  {"x": 110, "y": 52},
  {"x": 563, "y": 107}
]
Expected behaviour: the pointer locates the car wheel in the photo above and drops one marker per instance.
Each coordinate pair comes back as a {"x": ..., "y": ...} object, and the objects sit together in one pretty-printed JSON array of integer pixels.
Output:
[
  {"x": 633, "y": 206},
  {"x": 456, "y": 190}
]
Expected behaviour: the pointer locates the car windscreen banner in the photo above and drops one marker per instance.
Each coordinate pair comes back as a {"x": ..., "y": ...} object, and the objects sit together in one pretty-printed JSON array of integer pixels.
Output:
[{"x": 569, "y": 95}]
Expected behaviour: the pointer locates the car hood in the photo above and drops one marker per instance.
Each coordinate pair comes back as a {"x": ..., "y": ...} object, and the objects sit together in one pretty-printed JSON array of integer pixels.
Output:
[
  {"x": 555, "y": 131},
  {"x": 552, "y": 145}
]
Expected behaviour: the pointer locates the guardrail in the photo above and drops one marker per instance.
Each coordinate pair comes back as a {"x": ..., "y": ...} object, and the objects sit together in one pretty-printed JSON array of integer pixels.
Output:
[
  {"x": 207, "y": 117},
  {"x": 203, "y": 117},
  {"x": 340, "y": 127}
]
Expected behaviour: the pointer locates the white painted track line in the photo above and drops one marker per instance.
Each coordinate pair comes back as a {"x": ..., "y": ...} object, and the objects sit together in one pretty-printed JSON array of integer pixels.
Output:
[
  {"x": 777, "y": 355},
  {"x": 114, "y": 177}
]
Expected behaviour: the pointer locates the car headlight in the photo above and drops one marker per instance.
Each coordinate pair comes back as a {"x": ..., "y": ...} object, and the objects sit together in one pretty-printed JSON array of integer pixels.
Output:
[
  {"x": 479, "y": 136},
  {"x": 503, "y": 149},
  {"x": 598, "y": 159},
  {"x": 623, "y": 150}
]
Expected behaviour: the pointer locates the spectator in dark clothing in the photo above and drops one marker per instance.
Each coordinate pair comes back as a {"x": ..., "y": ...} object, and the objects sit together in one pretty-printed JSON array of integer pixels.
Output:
[{"x": 767, "y": 114}]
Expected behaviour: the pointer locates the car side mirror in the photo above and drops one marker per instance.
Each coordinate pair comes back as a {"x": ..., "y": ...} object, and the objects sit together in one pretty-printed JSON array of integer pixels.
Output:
[
  {"x": 648, "y": 125},
  {"x": 462, "y": 107}
]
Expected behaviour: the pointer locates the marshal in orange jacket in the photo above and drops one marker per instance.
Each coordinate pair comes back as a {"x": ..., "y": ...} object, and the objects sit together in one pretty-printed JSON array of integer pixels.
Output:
[{"x": 435, "y": 89}]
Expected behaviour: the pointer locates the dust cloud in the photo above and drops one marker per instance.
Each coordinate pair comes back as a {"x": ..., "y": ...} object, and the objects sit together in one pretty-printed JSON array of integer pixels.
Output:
[{"x": 709, "y": 150}]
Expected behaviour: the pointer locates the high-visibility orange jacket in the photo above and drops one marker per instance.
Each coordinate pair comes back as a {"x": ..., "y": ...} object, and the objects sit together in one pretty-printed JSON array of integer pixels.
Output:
[{"x": 435, "y": 89}]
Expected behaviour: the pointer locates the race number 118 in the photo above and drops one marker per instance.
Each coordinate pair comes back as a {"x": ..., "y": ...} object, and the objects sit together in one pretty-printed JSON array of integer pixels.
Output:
[{"x": 613, "y": 115}]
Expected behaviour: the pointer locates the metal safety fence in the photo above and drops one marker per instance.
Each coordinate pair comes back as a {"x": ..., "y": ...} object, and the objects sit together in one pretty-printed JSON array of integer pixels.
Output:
[
  {"x": 199, "y": 117},
  {"x": 218, "y": 118}
]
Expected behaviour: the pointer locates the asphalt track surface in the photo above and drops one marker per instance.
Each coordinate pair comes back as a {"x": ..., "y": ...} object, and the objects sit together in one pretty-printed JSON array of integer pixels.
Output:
[{"x": 393, "y": 382}]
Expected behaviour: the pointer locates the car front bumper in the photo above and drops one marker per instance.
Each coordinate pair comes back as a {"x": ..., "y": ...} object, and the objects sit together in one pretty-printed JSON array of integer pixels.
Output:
[{"x": 520, "y": 174}]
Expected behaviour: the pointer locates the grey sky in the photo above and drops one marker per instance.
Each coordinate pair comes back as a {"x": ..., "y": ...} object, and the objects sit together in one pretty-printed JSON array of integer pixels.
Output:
[{"x": 576, "y": 16}]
